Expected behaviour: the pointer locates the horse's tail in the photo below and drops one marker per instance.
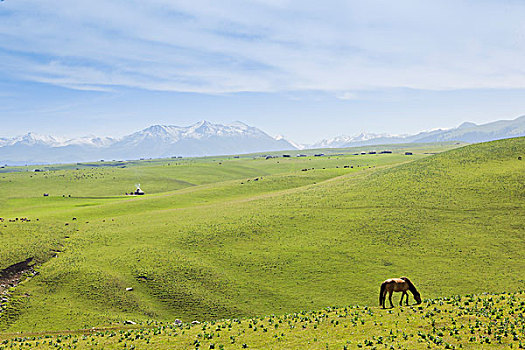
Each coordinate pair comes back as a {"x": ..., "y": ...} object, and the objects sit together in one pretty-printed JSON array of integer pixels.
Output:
[{"x": 382, "y": 293}]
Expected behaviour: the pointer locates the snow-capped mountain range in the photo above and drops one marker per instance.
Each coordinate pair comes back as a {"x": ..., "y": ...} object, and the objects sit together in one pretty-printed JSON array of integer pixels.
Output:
[
  {"x": 206, "y": 139},
  {"x": 198, "y": 131},
  {"x": 200, "y": 139},
  {"x": 32, "y": 139},
  {"x": 340, "y": 141},
  {"x": 466, "y": 132}
]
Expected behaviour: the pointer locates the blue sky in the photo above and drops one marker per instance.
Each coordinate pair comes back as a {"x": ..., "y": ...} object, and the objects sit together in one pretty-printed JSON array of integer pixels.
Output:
[{"x": 305, "y": 69}]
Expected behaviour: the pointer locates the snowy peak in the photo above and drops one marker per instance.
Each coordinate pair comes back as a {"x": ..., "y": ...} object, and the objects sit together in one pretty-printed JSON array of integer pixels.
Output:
[
  {"x": 294, "y": 144},
  {"x": 33, "y": 139},
  {"x": 200, "y": 130},
  {"x": 203, "y": 128},
  {"x": 90, "y": 141},
  {"x": 206, "y": 139},
  {"x": 200, "y": 139},
  {"x": 154, "y": 132},
  {"x": 240, "y": 125},
  {"x": 208, "y": 129},
  {"x": 466, "y": 132},
  {"x": 342, "y": 140},
  {"x": 467, "y": 125}
]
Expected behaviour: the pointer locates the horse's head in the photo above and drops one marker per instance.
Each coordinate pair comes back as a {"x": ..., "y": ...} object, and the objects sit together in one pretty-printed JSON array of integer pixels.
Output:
[{"x": 417, "y": 296}]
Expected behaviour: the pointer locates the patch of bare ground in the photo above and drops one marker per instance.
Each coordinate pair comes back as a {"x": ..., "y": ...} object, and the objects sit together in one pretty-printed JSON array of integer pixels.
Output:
[{"x": 11, "y": 276}]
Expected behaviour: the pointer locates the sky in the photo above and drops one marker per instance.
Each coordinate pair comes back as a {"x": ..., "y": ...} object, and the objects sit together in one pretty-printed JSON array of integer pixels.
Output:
[{"x": 307, "y": 70}]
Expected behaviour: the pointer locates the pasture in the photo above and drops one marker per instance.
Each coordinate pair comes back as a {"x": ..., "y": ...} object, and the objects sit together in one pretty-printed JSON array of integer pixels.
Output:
[
  {"x": 459, "y": 322},
  {"x": 210, "y": 242}
]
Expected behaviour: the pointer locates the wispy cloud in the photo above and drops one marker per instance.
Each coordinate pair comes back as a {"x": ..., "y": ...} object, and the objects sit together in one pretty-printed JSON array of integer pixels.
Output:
[
  {"x": 347, "y": 95},
  {"x": 266, "y": 46}
]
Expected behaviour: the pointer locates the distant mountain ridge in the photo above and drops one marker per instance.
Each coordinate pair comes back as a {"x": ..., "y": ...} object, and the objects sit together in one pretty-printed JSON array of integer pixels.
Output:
[
  {"x": 344, "y": 140},
  {"x": 200, "y": 139},
  {"x": 208, "y": 139},
  {"x": 32, "y": 139},
  {"x": 466, "y": 132}
]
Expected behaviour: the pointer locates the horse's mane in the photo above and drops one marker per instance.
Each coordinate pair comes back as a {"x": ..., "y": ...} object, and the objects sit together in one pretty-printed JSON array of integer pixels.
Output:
[{"x": 411, "y": 286}]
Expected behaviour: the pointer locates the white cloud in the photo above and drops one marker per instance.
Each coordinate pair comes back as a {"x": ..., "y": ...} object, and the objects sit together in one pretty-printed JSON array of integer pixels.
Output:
[
  {"x": 347, "y": 95},
  {"x": 210, "y": 46}
]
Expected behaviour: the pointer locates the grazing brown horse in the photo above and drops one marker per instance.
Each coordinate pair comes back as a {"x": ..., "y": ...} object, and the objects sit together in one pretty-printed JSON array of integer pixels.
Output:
[{"x": 397, "y": 285}]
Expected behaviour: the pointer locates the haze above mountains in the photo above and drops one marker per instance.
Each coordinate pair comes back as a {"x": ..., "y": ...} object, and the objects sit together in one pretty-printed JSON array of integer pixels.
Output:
[{"x": 206, "y": 139}]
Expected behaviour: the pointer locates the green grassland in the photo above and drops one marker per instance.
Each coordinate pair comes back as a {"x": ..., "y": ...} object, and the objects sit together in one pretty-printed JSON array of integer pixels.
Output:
[
  {"x": 205, "y": 243},
  {"x": 466, "y": 322},
  {"x": 169, "y": 183},
  {"x": 103, "y": 179}
]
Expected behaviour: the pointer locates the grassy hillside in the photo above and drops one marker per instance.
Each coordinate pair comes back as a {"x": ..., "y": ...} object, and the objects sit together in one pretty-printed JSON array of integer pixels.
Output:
[
  {"x": 225, "y": 247},
  {"x": 103, "y": 180},
  {"x": 97, "y": 192},
  {"x": 466, "y": 322}
]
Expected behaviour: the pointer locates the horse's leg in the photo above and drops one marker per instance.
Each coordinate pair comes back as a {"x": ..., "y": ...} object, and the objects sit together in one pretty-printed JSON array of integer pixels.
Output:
[
  {"x": 402, "y": 296},
  {"x": 390, "y": 298},
  {"x": 407, "y": 299}
]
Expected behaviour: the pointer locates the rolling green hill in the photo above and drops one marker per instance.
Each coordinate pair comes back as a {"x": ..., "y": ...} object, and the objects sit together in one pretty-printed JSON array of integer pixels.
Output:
[{"x": 209, "y": 244}]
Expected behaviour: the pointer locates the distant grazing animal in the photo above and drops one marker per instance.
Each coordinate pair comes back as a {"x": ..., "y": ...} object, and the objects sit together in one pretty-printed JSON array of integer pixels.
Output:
[{"x": 397, "y": 285}]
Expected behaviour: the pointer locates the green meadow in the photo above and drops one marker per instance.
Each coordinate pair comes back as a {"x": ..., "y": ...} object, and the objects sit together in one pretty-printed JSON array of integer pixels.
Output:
[
  {"x": 230, "y": 238},
  {"x": 488, "y": 321}
]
